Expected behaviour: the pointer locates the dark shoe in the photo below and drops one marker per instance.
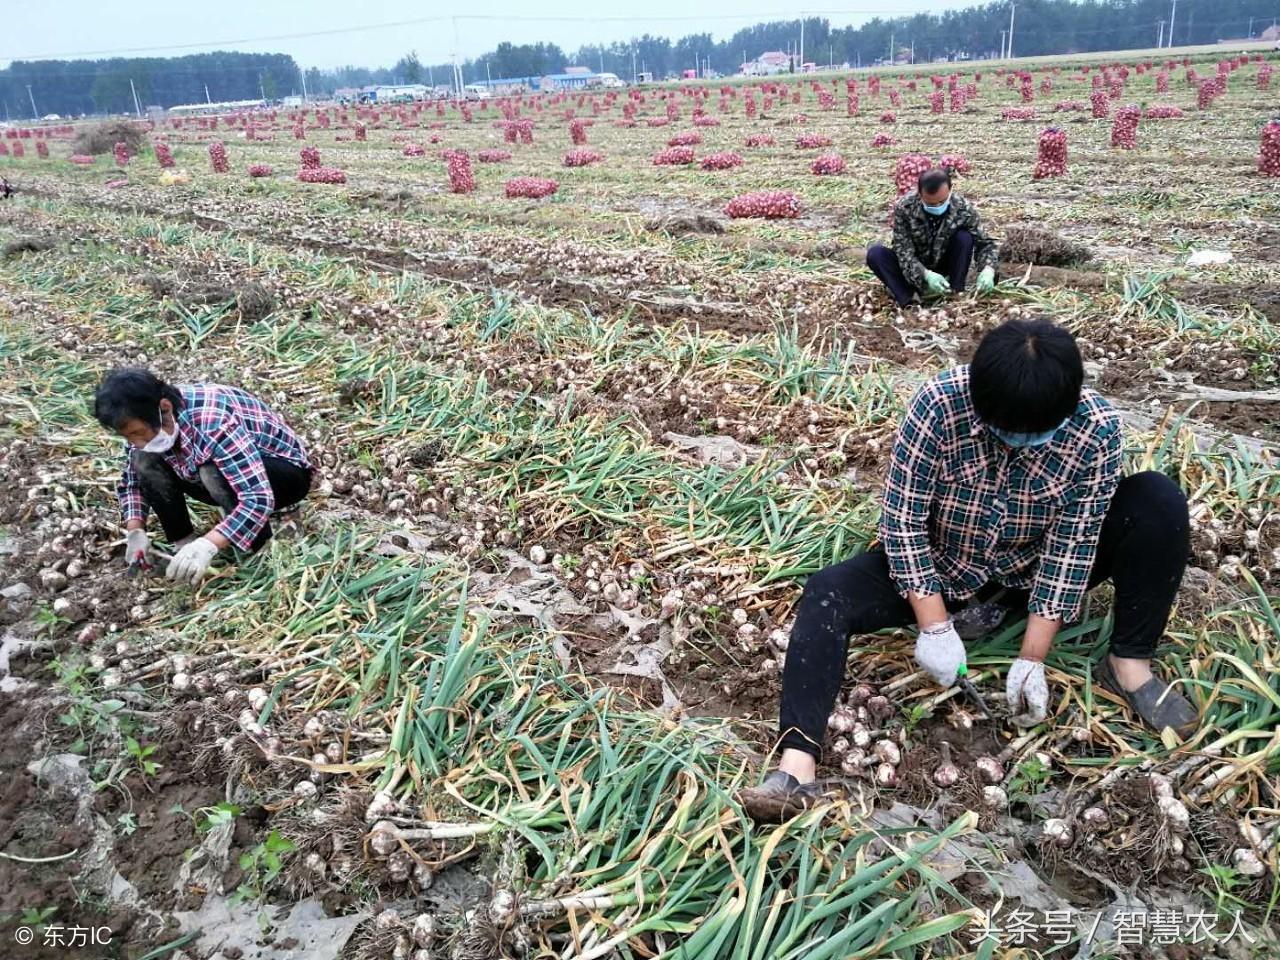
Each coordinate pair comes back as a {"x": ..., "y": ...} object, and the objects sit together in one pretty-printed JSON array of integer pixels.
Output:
[
  {"x": 287, "y": 521},
  {"x": 979, "y": 619},
  {"x": 780, "y": 797},
  {"x": 1155, "y": 702}
]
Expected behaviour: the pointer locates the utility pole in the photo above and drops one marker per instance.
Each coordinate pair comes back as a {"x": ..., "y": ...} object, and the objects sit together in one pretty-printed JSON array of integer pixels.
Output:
[
  {"x": 457, "y": 70},
  {"x": 633, "y": 65},
  {"x": 35, "y": 114},
  {"x": 893, "y": 53},
  {"x": 304, "y": 84},
  {"x": 136, "y": 106},
  {"x": 490, "y": 78},
  {"x": 602, "y": 59},
  {"x": 207, "y": 98},
  {"x": 1173, "y": 14},
  {"x": 1160, "y": 36},
  {"x": 1250, "y": 33},
  {"x": 802, "y": 43},
  {"x": 1013, "y": 8},
  {"x": 1003, "y": 34},
  {"x": 913, "y": 50}
]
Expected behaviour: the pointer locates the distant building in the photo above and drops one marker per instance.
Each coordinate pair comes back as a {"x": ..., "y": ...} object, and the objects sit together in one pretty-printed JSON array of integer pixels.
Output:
[
  {"x": 767, "y": 64},
  {"x": 399, "y": 93},
  {"x": 571, "y": 79},
  {"x": 1271, "y": 33}
]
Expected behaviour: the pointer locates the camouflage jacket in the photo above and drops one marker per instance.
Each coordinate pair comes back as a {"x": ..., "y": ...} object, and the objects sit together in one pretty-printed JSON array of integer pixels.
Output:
[{"x": 920, "y": 239}]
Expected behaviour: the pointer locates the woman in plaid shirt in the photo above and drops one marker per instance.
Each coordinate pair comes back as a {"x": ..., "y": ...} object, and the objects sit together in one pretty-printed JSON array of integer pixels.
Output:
[
  {"x": 219, "y": 445},
  {"x": 1004, "y": 479}
]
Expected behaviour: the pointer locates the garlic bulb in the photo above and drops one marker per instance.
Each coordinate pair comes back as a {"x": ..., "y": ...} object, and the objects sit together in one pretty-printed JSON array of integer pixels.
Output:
[
  {"x": 379, "y": 807},
  {"x": 946, "y": 773},
  {"x": 880, "y": 707},
  {"x": 399, "y": 866},
  {"x": 1175, "y": 814},
  {"x": 886, "y": 775},
  {"x": 384, "y": 838},
  {"x": 990, "y": 770},
  {"x": 1095, "y": 819},
  {"x": 1248, "y": 863},
  {"x": 995, "y": 798},
  {"x": 423, "y": 876},
  {"x": 1160, "y": 786},
  {"x": 860, "y": 695},
  {"x": 840, "y": 721},
  {"x": 314, "y": 864},
  {"x": 888, "y": 752},
  {"x": 1058, "y": 831},
  {"x": 313, "y": 729},
  {"x": 502, "y": 907},
  {"x": 424, "y": 929}
]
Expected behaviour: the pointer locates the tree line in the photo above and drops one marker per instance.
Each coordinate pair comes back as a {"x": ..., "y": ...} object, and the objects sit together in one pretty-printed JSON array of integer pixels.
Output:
[
  {"x": 75, "y": 87},
  {"x": 1041, "y": 27}
]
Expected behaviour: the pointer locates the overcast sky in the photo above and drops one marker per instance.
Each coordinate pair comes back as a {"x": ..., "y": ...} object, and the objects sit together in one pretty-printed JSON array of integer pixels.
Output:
[{"x": 361, "y": 33}]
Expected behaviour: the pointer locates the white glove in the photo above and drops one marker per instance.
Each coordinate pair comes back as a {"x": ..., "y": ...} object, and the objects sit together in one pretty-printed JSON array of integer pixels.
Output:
[
  {"x": 940, "y": 652},
  {"x": 191, "y": 563},
  {"x": 137, "y": 542},
  {"x": 1027, "y": 685}
]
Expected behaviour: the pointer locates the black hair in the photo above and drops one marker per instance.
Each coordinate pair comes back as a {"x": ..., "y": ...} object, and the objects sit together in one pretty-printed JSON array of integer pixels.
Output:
[
  {"x": 931, "y": 181},
  {"x": 1026, "y": 375},
  {"x": 132, "y": 393}
]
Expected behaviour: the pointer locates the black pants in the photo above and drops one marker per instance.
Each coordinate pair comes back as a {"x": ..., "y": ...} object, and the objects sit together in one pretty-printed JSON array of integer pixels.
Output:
[
  {"x": 956, "y": 259},
  {"x": 1142, "y": 550},
  {"x": 166, "y": 493}
]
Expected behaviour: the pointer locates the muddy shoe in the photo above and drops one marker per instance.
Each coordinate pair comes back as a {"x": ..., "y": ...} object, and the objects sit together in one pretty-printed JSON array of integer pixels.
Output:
[
  {"x": 980, "y": 619},
  {"x": 779, "y": 797},
  {"x": 1155, "y": 702},
  {"x": 286, "y": 522}
]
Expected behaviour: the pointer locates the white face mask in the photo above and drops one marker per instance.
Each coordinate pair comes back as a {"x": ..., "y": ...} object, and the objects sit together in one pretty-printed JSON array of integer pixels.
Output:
[{"x": 162, "y": 442}]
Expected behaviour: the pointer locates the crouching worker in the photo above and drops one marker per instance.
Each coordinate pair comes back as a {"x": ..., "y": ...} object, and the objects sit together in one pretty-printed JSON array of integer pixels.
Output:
[
  {"x": 216, "y": 444},
  {"x": 1004, "y": 480},
  {"x": 937, "y": 235}
]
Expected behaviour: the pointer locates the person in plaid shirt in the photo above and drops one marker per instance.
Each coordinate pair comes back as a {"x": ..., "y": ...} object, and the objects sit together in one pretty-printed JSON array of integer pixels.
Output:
[
  {"x": 1004, "y": 483},
  {"x": 219, "y": 445}
]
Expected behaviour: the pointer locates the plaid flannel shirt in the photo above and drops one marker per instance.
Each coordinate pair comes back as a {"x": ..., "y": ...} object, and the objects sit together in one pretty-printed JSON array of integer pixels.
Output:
[
  {"x": 232, "y": 430},
  {"x": 962, "y": 509}
]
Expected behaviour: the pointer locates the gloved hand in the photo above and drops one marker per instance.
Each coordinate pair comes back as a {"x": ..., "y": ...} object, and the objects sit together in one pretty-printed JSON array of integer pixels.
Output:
[
  {"x": 191, "y": 563},
  {"x": 936, "y": 283},
  {"x": 940, "y": 652},
  {"x": 986, "y": 280},
  {"x": 137, "y": 542},
  {"x": 1026, "y": 685}
]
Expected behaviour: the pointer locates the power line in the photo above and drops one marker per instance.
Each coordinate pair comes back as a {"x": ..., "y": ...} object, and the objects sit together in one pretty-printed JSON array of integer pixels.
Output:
[{"x": 785, "y": 16}]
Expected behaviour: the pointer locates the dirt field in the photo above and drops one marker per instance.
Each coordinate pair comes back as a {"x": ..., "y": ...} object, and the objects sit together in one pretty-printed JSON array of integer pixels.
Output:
[{"x": 493, "y": 692}]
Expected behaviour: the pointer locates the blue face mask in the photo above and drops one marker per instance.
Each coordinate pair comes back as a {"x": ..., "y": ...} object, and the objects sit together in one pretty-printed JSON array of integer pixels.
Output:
[
  {"x": 940, "y": 209},
  {"x": 1027, "y": 439}
]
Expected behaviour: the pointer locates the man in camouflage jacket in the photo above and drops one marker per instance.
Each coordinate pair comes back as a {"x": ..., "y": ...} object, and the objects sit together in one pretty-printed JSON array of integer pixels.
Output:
[{"x": 936, "y": 236}]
